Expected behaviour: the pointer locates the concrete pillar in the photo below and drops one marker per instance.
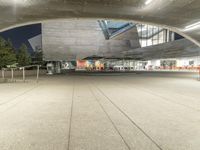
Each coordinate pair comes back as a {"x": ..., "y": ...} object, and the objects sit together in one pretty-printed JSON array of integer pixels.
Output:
[
  {"x": 58, "y": 67},
  {"x": 50, "y": 68}
]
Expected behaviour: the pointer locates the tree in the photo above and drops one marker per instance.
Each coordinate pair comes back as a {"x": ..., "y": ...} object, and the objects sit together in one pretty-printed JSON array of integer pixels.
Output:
[
  {"x": 7, "y": 54},
  {"x": 37, "y": 57},
  {"x": 23, "y": 57}
]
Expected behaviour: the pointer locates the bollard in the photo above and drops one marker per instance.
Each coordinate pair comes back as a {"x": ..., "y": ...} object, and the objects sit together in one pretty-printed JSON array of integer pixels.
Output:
[
  {"x": 23, "y": 73},
  {"x": 3, "y": 74},
  {"x": 12, "y": 75},
  {"x": 199, "y": 74},
  {"x": 38, "y": 72}
]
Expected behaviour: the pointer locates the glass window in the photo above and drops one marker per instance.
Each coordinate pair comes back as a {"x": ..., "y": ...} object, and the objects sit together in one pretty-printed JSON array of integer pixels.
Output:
[{"x": 152, "y": 35}]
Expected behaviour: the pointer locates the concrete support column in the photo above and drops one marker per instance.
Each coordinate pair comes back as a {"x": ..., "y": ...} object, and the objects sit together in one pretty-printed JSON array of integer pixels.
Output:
[{"x": 58, "y": 67}]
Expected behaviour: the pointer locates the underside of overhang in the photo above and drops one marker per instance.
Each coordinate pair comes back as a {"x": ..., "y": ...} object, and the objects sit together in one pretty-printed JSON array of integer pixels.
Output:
[{"x": 179, "y": 16}]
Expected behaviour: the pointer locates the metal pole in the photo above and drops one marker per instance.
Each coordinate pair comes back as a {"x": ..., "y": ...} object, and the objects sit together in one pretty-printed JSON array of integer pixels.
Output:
[
  {"x": 3, "y": 74},
  {"x": 23, "y": 73},
  {"x": 198, "y": 68},
  {"x": 38, "y": 72},
  {"x": 12, "y": 75},
  {"x": 199, "y": 74}
]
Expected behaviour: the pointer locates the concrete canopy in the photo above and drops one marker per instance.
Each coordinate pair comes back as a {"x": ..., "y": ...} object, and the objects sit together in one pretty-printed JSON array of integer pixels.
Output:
[
  {"x": 175, "y": 49},
  {"x": 181, "y": 16}
]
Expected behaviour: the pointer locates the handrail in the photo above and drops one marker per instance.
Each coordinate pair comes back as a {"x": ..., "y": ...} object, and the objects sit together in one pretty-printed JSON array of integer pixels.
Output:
[{"x": 23, "y": 69}]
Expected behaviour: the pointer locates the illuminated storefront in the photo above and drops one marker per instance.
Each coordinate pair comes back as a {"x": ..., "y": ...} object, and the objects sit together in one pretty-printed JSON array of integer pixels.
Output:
[{"x": 89, "y": 65}]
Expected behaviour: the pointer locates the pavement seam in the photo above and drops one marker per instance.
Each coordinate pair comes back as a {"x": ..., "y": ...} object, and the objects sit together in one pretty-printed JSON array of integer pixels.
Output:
[
  {"x": 70, "y": 119},
  {"x": 12, "y": 99},
  {"x": 164, "y": 98},
  {"x": 133, "y": 122},
  {"x": 18, "y": 102},
  {"x": 115, "y": 127},
  {"x": 168, "y": 100}
]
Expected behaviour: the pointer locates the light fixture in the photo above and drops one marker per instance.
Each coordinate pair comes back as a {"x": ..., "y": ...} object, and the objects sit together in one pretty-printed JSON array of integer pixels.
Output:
[
  {"x": 148, "y": 2},
  {"x": 192, "y": 26}
]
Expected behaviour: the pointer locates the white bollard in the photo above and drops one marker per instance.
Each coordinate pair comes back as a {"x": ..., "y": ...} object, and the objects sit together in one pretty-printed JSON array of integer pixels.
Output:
[
  {"x": 23, "y": 73},
  {"x": 38, "y": 72},
  {"x": 12, "y": 75},
  {"x": 199, "y": 74},
  {"x": 3, "y": 74}
]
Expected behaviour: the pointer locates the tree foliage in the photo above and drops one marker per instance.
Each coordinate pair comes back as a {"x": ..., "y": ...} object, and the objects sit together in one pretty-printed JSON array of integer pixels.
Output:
[
  {"x": 23, "y": 57},
  {"x": 37, "y": 57},
  {"x": 7, "y": 54}
]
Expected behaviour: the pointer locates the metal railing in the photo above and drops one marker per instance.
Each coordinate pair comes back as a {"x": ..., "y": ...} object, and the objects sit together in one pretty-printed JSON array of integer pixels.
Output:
[
  {"x": 12, "y": 70},
  {"x": 199, "y": 74}
]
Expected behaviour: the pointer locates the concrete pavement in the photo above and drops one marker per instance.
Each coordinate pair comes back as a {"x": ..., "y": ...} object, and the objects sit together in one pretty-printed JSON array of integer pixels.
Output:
[{"x": 124, "y": 112}]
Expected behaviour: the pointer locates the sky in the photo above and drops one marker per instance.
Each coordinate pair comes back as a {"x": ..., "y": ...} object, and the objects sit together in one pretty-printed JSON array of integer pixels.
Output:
[{"x": 21, "y": 35}]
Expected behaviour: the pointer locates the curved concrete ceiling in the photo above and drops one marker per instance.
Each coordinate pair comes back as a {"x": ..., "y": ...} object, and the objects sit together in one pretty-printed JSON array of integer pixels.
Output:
[
  {"x": 181, "y": 16},
  {"x": 175, "y": 49}
]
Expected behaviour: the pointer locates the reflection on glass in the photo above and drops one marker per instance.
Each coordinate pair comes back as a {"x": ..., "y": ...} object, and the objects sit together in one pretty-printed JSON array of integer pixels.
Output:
[{"x": 152, "y": 35}]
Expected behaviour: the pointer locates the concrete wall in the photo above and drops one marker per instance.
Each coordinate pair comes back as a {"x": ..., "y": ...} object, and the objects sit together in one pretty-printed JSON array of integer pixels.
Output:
[
  {"x": 176, "y": 49},
  {"x": 77, "y": 39}
]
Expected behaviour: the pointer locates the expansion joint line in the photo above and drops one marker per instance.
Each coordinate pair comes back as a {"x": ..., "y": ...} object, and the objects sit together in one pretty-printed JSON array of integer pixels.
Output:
[
  {"x": 168, "y": 100},
  {"x": 147, "y": 90},
  {"x": 70, "y": 118},
  {"x": 18, "y": 102},
  {"x": 133, "y": 122},
  {"x": 115, "y": 127},
  {"x": 14, "y": 98}
]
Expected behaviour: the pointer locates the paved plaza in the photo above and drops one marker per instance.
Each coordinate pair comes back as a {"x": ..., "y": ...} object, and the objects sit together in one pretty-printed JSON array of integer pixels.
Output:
[{"x": 145, "y": 111}]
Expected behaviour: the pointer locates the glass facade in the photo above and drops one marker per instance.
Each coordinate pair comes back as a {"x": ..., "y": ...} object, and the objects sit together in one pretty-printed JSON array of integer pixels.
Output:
[
  {"x": 152, "y": 35},
  {"x": 148, "y": 34},
  {"x": 113, "y": 28}
]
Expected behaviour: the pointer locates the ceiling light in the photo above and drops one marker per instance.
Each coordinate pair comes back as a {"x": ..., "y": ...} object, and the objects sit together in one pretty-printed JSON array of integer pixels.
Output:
[
  {"x": 192, "y": 26},
  {"x": 148, "y": 2}
]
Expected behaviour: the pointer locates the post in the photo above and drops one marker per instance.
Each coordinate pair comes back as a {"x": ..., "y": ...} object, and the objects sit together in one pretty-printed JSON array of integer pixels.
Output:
[
  {"x": 12, "y": 75},
  {"x": 38, "y": 72},
  {"x": 199, "y": 74},
  {"x": 3, "y": 74},
  {"x": 23, "y": 73}
]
